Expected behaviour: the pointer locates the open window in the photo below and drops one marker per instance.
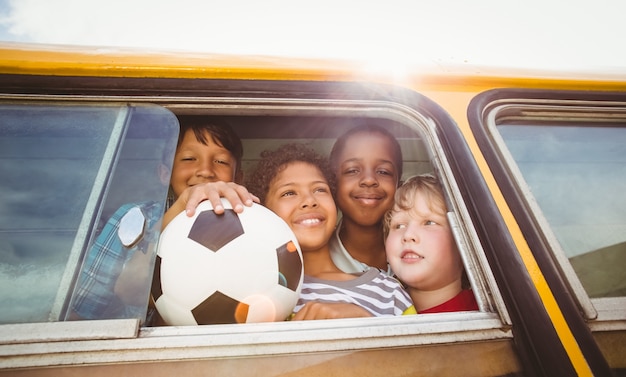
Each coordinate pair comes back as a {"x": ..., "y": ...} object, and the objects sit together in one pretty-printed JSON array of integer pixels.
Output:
[{"x": 264, "y": 118}]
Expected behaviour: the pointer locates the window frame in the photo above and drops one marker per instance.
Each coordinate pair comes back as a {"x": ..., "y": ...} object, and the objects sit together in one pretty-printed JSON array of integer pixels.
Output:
[
  {"x": 447, "y": 148},
  {"x": 583, "y": 316},
  {"x": 558, "y": 111}
]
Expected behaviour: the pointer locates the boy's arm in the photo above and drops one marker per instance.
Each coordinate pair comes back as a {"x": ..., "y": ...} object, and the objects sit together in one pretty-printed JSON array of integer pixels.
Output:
[
  {"x": 177, "y": 207},
  {"x": 318, "y": 310}
]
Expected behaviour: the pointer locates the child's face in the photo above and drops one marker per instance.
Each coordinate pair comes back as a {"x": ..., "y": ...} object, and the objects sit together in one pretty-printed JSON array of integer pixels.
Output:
[
  {"x": 366, "y": 178},
  {"x": 420, "y": 247},
  {"x": 300, "y": 195},
  {"x": 196, "y": 163}
]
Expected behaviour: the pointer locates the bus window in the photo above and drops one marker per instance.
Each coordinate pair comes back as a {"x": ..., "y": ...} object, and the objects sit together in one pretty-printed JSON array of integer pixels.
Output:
[
  {"x": 133, "y": 148},
  {"x": 577, "y": 175},
  {"x": 421, "y": 153},
  {"x": 560, "y": 161},
  {"x": 65, "y": 167}
]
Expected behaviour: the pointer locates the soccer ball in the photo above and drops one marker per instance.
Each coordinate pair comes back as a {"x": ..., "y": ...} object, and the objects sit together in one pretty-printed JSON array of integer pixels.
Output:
[{"x": 229, "y": 268}]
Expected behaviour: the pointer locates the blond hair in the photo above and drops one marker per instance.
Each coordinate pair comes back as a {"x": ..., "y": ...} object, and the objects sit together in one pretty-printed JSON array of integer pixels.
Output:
[
  {"x": 429, "y": 186},
  {"x": 424, "y": 184}
]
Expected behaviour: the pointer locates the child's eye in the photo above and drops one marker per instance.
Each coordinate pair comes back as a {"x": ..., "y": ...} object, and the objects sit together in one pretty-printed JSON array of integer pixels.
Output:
[
  {"x": 430, "y": 222},
  {"x": 188, "y": 159},
  {"x": 222, "y": 162},
  {"x": 321, "y": 189},
  {"x": 384, "y": 172},
  {"x": 351, "y": 171},
  {"x": 396, "y": 226},
  {"x": 287, "y": 193}
]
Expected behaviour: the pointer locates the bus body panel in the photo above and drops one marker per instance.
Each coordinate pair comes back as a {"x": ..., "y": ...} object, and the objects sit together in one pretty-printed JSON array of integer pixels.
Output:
[{"x": 540, "y": 329}]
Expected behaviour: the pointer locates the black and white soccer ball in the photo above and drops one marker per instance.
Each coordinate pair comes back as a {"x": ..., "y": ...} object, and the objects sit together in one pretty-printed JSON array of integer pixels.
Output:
[{"x": 229, "y": 268}]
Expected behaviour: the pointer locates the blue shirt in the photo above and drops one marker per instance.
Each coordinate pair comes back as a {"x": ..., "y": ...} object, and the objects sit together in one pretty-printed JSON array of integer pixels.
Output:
[{"x": 94, "y": 296}]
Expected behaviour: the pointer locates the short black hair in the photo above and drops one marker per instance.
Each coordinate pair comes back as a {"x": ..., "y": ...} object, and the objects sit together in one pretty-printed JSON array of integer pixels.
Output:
[
  {"x": 340, "y": 144},
  {"x": 221, "y": 133}
]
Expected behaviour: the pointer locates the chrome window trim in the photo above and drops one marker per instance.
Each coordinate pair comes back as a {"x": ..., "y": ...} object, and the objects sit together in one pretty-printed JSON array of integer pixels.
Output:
[
  {"x": 26, "y": 333},
  {"x": 260, "y": 339},
  {"x": 218, "y": 341},
  {"x": 609, "y": 112}
]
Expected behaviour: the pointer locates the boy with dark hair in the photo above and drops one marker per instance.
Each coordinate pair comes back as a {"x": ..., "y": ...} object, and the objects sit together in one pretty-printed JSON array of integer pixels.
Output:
[{"x": 112, "y": 283}]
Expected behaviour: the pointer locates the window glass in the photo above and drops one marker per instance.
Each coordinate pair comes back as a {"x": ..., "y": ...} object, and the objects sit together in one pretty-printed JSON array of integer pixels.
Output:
[
  {"x": 577, "y": 175},
  {"x": 58, "y": 163}
]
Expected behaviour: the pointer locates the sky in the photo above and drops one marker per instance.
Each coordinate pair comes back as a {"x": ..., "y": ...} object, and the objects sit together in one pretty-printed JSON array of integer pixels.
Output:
[{"x": 564, "y": 35}]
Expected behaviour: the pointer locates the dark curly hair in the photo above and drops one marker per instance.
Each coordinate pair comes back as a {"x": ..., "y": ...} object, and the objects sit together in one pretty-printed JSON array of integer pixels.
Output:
[{"x": 273, "y": 162}]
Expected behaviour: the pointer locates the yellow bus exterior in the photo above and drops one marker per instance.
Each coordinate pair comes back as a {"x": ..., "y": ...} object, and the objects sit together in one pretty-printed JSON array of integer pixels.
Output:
[{"x": 451, "y": 88}]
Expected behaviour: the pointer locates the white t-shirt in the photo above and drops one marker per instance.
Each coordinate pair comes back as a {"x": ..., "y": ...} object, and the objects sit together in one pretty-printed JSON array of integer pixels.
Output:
[{"x": 342, "y": 258}]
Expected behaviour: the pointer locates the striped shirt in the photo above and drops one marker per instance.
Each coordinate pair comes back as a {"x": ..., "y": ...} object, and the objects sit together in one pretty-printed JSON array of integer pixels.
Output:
[{"x": 374, "y": 291}]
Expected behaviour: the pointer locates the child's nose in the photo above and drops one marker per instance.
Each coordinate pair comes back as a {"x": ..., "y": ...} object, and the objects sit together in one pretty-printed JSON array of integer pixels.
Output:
[
  {"x": 410, "y": 234},
  {"x": 309, "y": 201},
  {"x": 205, "y": 170},
  {"x": 369, "y": 178}
]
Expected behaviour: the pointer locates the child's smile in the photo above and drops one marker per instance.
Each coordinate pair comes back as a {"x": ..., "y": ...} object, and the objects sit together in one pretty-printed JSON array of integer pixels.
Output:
[{"x": 300, "y": 195}]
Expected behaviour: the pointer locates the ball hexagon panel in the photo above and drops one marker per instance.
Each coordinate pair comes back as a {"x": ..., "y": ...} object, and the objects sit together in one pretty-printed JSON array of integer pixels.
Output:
[
  {"x": 289, "y": 266},
  {"x": 220, "y": 309},
  {"x": 214, "y": 231},
  {"x": 156, "y": 289}
]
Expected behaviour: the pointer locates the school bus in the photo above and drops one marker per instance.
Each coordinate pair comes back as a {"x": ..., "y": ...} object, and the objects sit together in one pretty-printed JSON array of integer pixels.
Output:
[{"x": 533, "y": 164}]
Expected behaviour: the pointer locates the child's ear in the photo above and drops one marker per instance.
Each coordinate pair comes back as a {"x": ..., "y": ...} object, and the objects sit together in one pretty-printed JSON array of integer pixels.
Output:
[{"x": 165, "y": 174}]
